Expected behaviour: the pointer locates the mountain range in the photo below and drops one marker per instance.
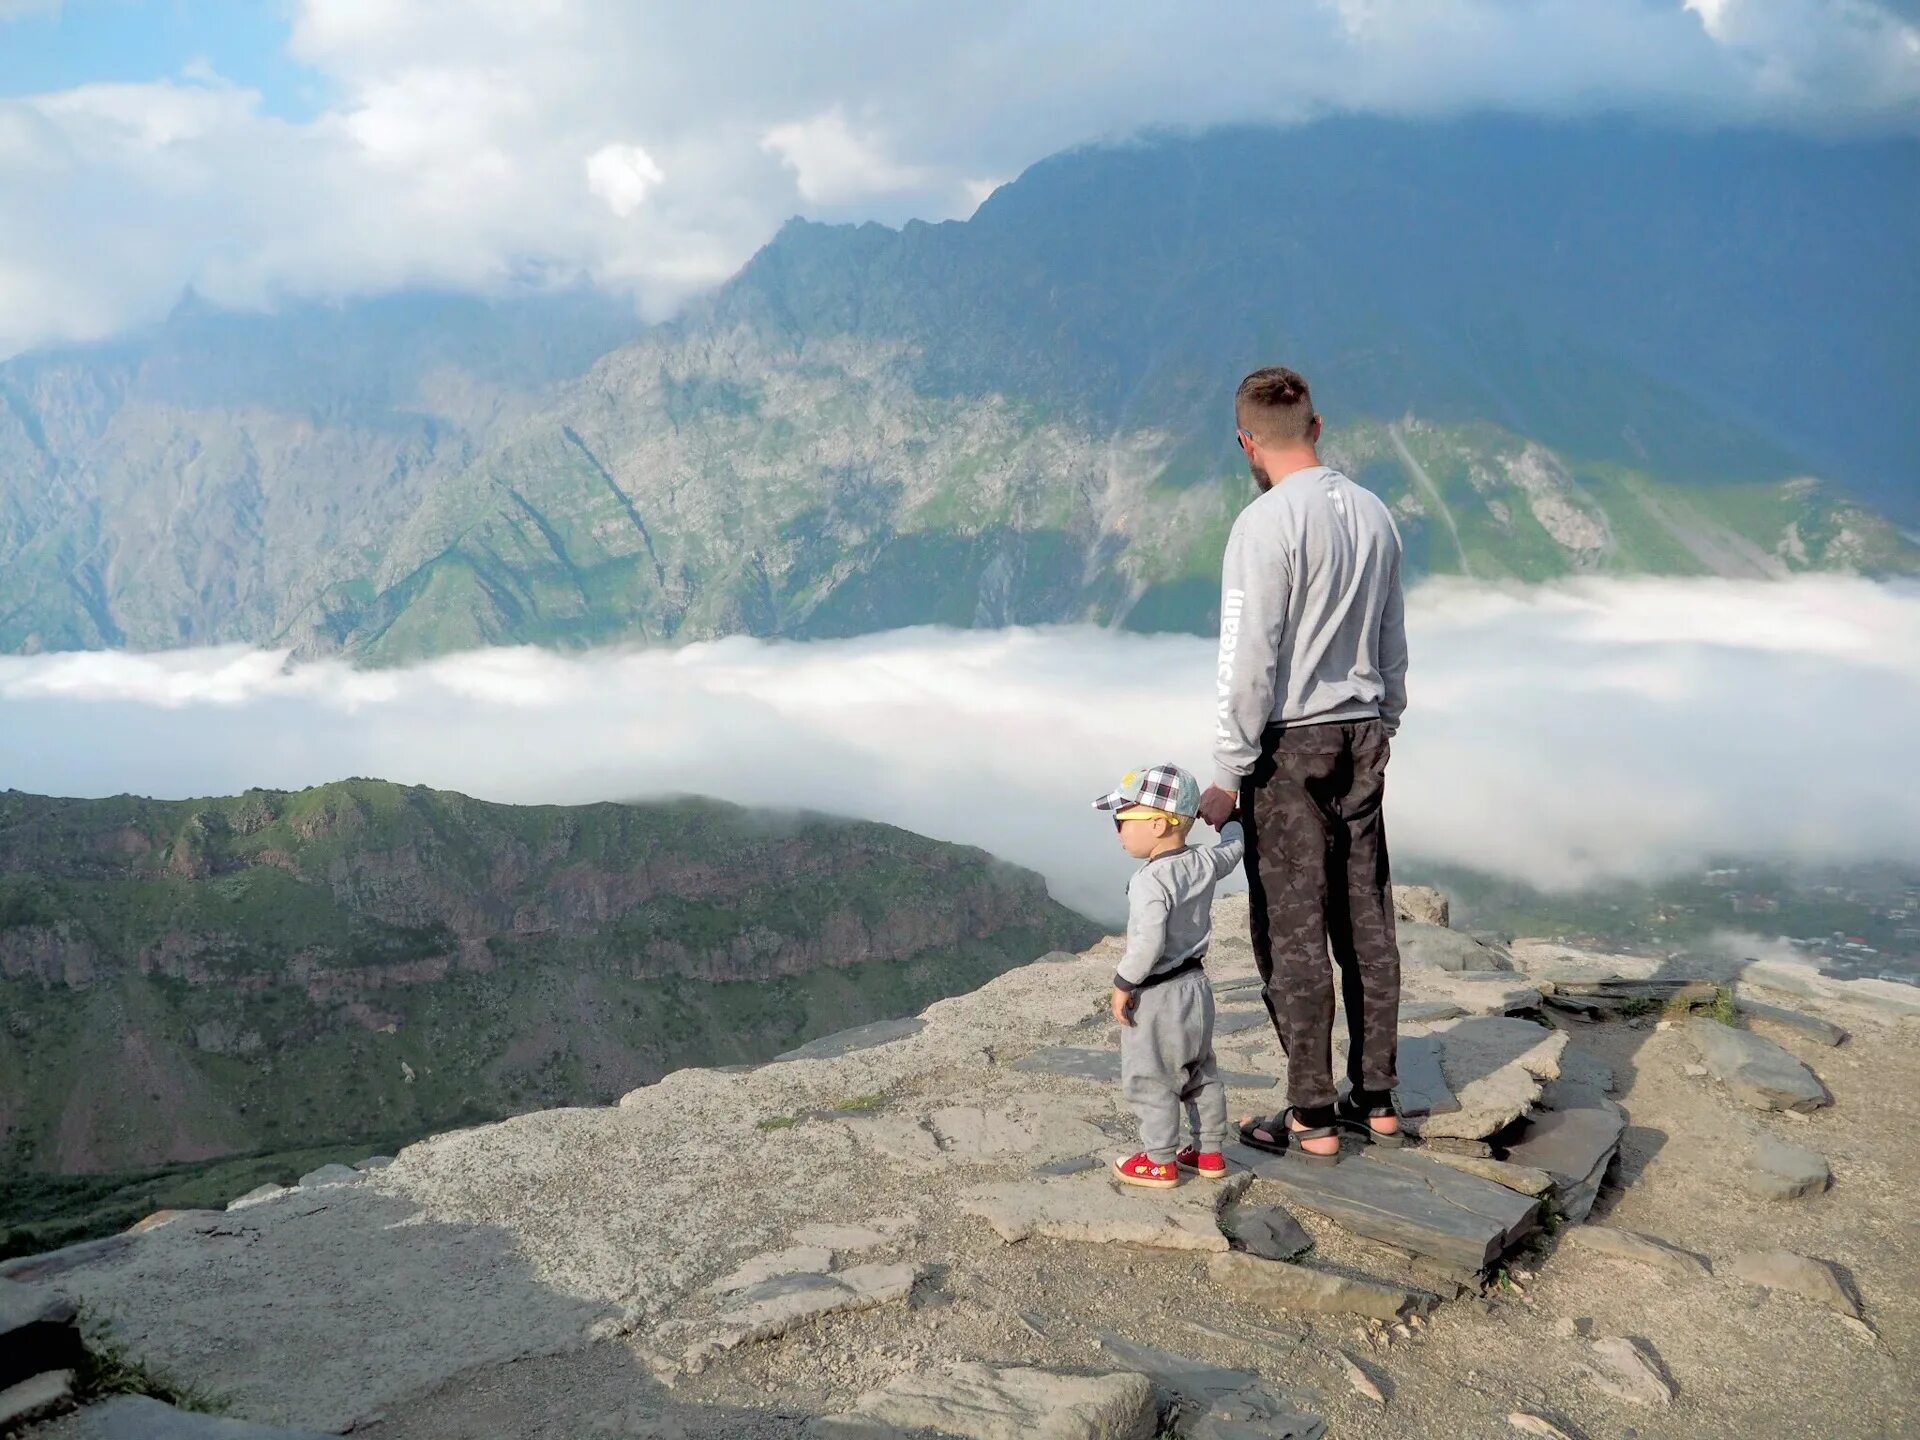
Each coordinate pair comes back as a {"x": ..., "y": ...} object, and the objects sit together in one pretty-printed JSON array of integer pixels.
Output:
[
  {"x": 182, "y": 980},
  {"x": 1555, "y": 348}
]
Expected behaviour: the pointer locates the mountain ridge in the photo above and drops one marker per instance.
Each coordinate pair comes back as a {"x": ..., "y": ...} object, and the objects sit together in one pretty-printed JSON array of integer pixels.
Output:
[{"x": 1020, "y": 417}]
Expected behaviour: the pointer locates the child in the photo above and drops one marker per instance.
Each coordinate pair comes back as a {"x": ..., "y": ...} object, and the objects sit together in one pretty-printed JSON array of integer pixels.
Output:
[{"x": 1160, "y": 992}]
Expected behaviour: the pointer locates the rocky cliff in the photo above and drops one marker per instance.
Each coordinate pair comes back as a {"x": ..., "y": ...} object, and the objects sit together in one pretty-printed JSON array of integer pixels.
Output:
[
  {"x": 189, "y": 979},
  {"x": 1622, "y": 1209}
]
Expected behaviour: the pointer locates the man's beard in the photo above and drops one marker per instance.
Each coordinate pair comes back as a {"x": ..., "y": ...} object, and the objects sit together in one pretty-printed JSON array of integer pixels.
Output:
[{"x": 1260, "y": 477}]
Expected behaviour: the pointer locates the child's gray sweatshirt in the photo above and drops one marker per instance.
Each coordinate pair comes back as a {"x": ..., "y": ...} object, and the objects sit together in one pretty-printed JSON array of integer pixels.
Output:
[
  {"x": 1311, "y": 624},
  {"x": 1170, "y": 907}
]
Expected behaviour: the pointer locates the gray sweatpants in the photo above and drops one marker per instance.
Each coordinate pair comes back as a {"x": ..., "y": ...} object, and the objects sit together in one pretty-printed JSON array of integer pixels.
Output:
[{"x": 1167, "y": 1064}]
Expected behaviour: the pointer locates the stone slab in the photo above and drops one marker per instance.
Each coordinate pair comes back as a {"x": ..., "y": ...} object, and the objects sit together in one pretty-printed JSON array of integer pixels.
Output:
[
  {"x": 1425, "y": 1012},
  {"x": 1801, "y": 1275},
  {"x": 33, "y": 1396},
  {"x": 1567, "y": 1144},
  {"x": 1411, "y": 1204},
  {"x": 331, "y": 1175},
  {"x": 1422, "y": 903},
  {"x": 1267, "y": 1231},
  {"x": 775, "y": 1306},
  {"x": 37, "y": 1332},
  {"x": 1232, "y": 1022},
  {"x": 1776, "y": 1170},
  {"x": 139, "y": 1417},
  {"x": 1495, "y": 1066},
  {"x": 1756, "y": 1071},
  {"x": 1811, "y": 1026},
  {"x": 1198, "y": 1395},
  {"x": 1099, "y": 1209},
  {"x": 1887, "y": 999},
  {"x": 1423, "y": 1088},
  {"x": 1081, "y": 1062},
  {"x": 859, "y": 1037},
  {"x": 854, "y": 1238},
  {"x": 1520, "y": 1179},
  {"x": 1614, "y": 1243},
  {"x": 1424, "y": 946},
  {"x": 1626, "y": 1372},
  {"x": 980, "y": 1402},
  {"x": 1280, "y": 1285},
  {"x": 49, "y": 1263},
  {"x": 795, "y": 1260},
  {"x": 259, "y": 1195}
]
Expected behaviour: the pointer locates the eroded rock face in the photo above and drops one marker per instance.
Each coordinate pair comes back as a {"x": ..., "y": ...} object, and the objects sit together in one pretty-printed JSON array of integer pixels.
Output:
[{"x": 982, "y": 1402}]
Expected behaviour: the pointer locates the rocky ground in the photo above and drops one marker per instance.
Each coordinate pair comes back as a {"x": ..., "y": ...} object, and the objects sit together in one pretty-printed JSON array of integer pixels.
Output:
[{"x": 910, "y": 1234}]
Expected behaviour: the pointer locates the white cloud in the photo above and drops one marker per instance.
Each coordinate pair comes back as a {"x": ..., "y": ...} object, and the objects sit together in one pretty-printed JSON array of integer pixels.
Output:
[
  {"x": 833, "y": 164},
  {"x": 1563, "y": 735},
  {"x": 451, "y": 142},
  {"x": 623, "y": 176}
]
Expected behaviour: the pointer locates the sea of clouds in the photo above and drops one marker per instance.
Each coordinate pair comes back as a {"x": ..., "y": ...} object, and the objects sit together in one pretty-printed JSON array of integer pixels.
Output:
[{"x": 1590, "y": 731}]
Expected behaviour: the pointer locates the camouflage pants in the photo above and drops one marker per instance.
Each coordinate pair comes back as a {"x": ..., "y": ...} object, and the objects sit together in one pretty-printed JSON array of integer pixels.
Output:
[{"x": 1317, "y": 865}]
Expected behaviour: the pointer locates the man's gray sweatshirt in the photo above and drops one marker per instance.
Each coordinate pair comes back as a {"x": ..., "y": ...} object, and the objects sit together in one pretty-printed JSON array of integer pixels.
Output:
[
  {"x": 1170, "y": 907},
  {"x": 1311, "y": 622}
]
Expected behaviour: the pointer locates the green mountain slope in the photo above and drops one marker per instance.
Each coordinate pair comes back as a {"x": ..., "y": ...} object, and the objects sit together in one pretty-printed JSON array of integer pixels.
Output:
[
  {"x": 189, "y": 979},
  {"x": 1554, "y": 349}
]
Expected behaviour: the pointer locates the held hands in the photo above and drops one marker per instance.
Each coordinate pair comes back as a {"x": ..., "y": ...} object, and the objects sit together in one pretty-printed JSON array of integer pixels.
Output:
[
  {"x": 1122, "y": 1006},
  {"x": 1217, "y": 806}
]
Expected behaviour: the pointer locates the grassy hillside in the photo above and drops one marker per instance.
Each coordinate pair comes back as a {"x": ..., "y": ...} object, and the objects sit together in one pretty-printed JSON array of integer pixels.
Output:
[{"x": 188, "y": 980}]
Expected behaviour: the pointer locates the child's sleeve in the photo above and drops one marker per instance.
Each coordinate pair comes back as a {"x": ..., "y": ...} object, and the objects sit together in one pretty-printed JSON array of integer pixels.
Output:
[
  {"x": 1146, "y": 934},
  {"x": 1231, "y": 850}
]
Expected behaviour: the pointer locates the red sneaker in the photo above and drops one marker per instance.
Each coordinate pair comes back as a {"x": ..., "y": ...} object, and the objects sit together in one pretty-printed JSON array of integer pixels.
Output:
[
  {"x": 1207, "y": 1164},
  {"x": 1139, "y": 1170}
]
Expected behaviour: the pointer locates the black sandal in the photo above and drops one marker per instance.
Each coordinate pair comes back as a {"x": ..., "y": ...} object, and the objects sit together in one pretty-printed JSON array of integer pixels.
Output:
[
  {"x": 1281, "y": 1126},
  {"x": 1350, "y": 1114}
]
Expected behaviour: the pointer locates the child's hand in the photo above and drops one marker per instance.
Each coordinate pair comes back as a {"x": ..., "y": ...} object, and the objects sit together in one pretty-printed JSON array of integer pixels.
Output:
[{"x": 1122, "y": 1006}]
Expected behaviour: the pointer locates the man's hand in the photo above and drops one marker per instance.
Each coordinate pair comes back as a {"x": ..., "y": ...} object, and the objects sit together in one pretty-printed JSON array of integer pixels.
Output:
[
  {"x": 1217, "y": 806},
  {"x": 1122, "y": 1006}
]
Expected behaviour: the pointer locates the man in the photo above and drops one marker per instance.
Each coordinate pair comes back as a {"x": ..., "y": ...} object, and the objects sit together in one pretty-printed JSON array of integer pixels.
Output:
[{"x": 1311, "y": 684}]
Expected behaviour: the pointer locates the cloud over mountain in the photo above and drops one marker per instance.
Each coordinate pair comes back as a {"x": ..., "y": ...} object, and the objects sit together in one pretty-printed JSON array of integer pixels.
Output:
[
  {"x": 652, "y": 146},
  {"x": 1560, "y": 735}
]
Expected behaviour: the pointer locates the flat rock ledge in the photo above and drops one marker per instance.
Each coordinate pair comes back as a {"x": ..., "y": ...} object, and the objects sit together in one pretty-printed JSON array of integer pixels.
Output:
[
  {"x": 982, "y": 1402},
  {"x": 1096, "y": 1208},
  {"x": 1756, "y": 1071}
]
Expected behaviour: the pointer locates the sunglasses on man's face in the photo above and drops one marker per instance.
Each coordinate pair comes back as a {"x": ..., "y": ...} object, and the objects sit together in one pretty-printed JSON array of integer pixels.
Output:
[{"x": 1243, "y": 436}]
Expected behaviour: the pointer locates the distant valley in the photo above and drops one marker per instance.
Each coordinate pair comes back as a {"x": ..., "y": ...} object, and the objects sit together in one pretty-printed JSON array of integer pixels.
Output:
[
  {"x": 186, "y": 980},
  {"x": 1556, "y": 350}
]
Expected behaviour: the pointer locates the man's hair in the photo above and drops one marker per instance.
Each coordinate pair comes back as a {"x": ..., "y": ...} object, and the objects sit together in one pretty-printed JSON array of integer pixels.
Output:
[{"x": 1274, "y": 406}]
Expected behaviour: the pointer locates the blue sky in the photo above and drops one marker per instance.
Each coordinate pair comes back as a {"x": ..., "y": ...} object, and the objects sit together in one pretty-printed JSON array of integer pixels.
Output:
[
  {"x": 281, "y": 149},
  {"x": 132, "y": 41}
]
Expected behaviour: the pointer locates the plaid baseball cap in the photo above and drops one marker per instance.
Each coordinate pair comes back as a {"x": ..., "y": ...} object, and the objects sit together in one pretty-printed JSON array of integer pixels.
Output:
[{"x": 1158, "y": 787}]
